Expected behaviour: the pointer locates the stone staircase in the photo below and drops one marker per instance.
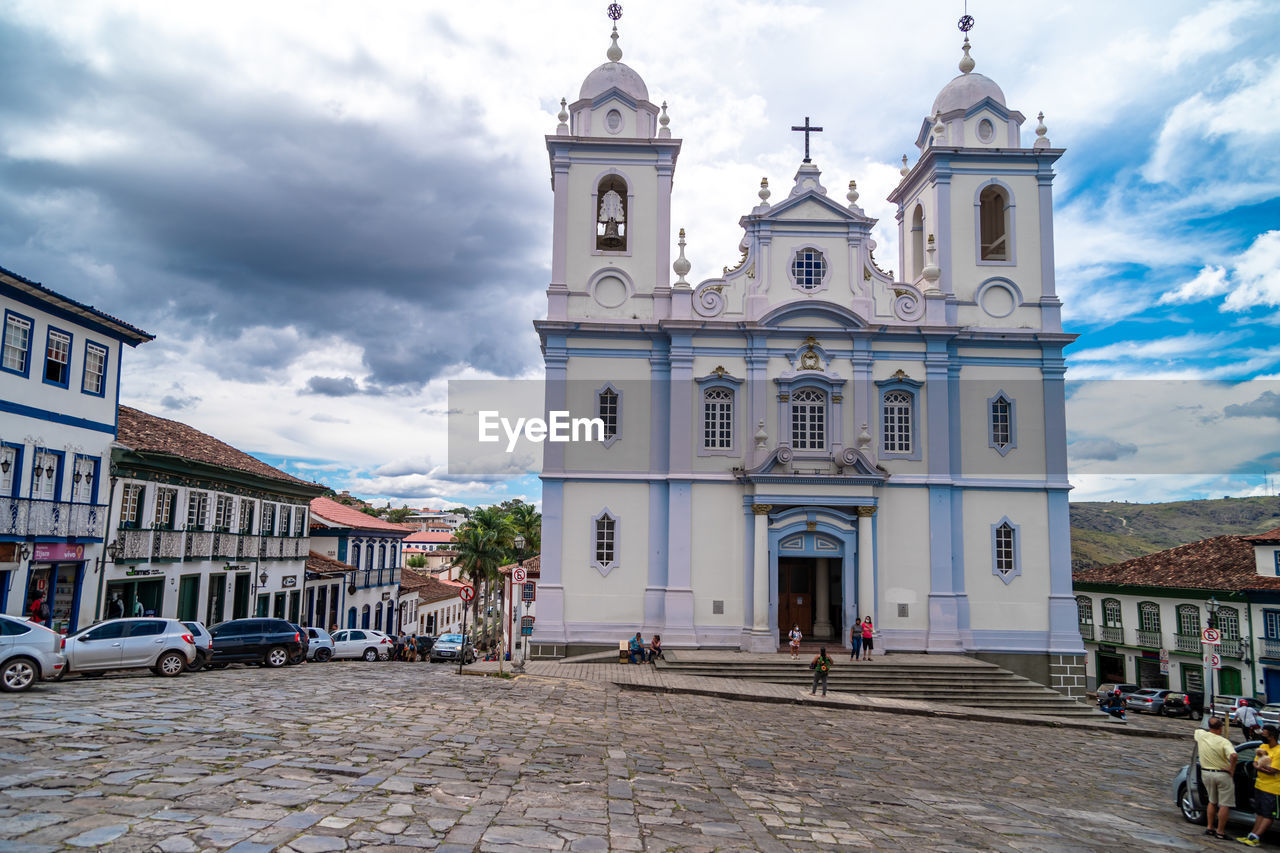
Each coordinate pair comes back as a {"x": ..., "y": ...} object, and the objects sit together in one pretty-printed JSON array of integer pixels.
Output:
[{"x": 958, "y": 681}]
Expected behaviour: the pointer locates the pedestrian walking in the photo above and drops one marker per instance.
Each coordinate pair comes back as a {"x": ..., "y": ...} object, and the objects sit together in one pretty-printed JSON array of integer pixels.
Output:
[
  {"x": 795, "y": 636},
  {"x": 1266, "y": 788},
  {"x": 867, "y": 642},
  {"x": 1217, "y": 770},
  {"x": 39, "y": 609},
  {"x": 855, "y": 640},
  {"x": 1247, "y": 719},
  {"x": 821, "y": 666}
]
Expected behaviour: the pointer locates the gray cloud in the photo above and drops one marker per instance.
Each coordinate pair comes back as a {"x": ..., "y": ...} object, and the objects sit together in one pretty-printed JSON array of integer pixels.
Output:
[
  {"x": 332, "y": 386},
  {"x": 177, "y": 402},
  {"x": 1102, "y": 449},
  {"x": 226, "y": 211},
  {"x": 1266, "y": 406},
  {"x": 329, "y": 419}
]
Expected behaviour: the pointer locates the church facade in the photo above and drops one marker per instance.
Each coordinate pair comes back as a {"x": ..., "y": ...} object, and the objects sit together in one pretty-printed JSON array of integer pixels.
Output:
[{"x": 807, "y": 439}]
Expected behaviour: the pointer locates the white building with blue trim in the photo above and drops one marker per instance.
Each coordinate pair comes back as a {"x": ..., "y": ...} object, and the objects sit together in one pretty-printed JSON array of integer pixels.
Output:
[
  {"x": 808, "y": 438},
  {"x": 59, "y": 389}
]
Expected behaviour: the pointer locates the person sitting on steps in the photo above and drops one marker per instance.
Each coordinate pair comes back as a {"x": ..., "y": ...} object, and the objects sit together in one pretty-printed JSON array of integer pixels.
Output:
[{"x": 635, "y": 649}]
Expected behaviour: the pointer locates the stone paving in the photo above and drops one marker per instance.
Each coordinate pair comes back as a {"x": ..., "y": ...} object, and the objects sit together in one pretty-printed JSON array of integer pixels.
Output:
[{"x": 411, "y": 756}]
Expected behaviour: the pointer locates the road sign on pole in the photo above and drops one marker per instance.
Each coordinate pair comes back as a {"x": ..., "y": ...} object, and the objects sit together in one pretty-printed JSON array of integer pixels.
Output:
[
  {"x": 1214, "y": 660},
  {"x": 1211, "y": 636},
  {"x": 467, "y": 593},
  {"x": 519, "y": 574}
]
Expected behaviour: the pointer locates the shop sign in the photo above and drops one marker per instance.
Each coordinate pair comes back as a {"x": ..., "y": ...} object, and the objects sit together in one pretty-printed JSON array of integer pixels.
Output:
[
  {"x": 52, "y": 552},
  {"x": 386, "y": 596},
  {"x": 230, "y": 568},
  {"x": 133, "y": 573},
  {"x": 289, "y": 581}
]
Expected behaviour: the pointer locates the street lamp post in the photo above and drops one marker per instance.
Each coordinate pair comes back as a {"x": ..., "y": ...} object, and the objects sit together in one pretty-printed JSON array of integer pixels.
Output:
[
  {"x": 1211, "y": 606},
  {"x": 518, "y": 665}
]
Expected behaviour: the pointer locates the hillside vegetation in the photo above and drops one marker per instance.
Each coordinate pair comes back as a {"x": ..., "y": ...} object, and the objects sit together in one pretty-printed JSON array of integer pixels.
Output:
[{"x": 1106, "y": 532}]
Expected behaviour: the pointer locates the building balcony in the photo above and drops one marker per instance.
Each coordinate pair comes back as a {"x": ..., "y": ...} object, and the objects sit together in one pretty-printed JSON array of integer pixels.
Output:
[
  {"x": 166, "y": 545},
  {"x": 224, "y": 545},
  {"x": 34, "y": 517},
  {"x": 199, "y": 545},
  {"x": 1148, "y": 639},
  {"x": 1108, "y": 634},
  {"x": 1187, "y": 643},
  {"x": 1086, "y": 632},
  {"x": 271, "y": 547},
  {"x": 1270, "y": 647},
  {"x": 1233, "y": 648}
]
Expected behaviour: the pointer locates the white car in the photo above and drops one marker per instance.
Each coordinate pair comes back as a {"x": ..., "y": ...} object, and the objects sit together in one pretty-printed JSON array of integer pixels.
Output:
[
  {"x": 320, "y": 647},
  {"x": 28, "y": 653},
  {"x": 361, "y": 643},
  {"x": 165, "y": 646}
]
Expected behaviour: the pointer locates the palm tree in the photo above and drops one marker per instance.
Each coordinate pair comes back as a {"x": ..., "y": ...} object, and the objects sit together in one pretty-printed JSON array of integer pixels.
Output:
[
  {"x": 527, "y": 522},
  {"x": 483, "y": 543}
]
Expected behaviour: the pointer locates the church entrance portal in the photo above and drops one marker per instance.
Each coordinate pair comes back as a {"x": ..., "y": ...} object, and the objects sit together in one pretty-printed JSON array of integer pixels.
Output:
[{"x": 800, "y": 599}]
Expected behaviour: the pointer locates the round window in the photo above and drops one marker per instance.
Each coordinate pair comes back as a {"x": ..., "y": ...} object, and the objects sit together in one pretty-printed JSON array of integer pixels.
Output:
[
  {"x": 613, "y": 121},
  {"x": 986, "y": 130},
  {"x": 808, "y": 268}
]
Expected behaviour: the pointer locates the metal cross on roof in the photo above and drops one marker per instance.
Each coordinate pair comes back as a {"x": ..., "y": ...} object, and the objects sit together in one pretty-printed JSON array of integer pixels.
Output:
[{"x": 807, "y": 129}]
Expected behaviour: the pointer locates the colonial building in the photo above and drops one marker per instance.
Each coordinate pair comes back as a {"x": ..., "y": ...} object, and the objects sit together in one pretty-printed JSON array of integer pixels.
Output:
[
  {"x": 327, "y": 580},
  {"x": 807, "y": 438},
  {"x": 372, "y": 548},
  {"x": 59, "y": 383},
  {"x": 1142, "y": 620},
  {"x": 520, "y": 601},
  {"x": 200, "y": 530},
  {"x": 430, "y": 605}
]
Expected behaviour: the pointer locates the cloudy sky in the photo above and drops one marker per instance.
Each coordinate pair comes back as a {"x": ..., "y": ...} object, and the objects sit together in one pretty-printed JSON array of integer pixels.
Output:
[{"x": 325, "y": 211}]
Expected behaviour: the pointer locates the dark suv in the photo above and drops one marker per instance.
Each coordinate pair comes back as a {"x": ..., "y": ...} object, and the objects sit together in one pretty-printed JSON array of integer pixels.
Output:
[{"x": 271, "y": 642}]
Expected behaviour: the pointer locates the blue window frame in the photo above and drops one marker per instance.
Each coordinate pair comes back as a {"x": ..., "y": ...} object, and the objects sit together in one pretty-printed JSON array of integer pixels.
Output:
[
  {"x": 84, "y": 479},
  {"x": 9, "y": 480},
  {"x": 57, "y": 357},
  {"x": 899, "y": 417},
  {"x": 1276, "y": 555},
  {"x": 46, "y": 474},
  {"x": 16, "y": 346},
  {"x": 93, "y": 379},
  {"x": 1271, "y": 624}
]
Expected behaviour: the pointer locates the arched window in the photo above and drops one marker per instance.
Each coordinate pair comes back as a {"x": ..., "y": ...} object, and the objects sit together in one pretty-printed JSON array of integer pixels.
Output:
[
  {"x": 717, "y": 419},
  {"x": 391, "y": 617},
  {"x": 351, "y": 618},
  {"x": 368, "y": 553},
  {"x": 355, "y": 556},
  {"x": 1111, "y": 613},
  {"x": 611, "y": 214},
  {"x": 377, "y": 619},
  {"x": 382, "y": 556},
  {"x": 1189, "y": 622},
  {"x": 917, "y": 241},
  {"x": 608, "y": 402},
  {"x": 809, "y": 419},
  {"x": 1149, "y": 616},
  {"x": 1000, "y": 412},
  {"x": 896, "y": 410},
  {"x": 1084, "y": 607},
  {"x": 605, "y": 542},
  {"x": 1006, "y": 553},
  {"x": 364, "y": 617},
  {"x": 993, "y": 219},
  {"x": 1228, "y": 619}
]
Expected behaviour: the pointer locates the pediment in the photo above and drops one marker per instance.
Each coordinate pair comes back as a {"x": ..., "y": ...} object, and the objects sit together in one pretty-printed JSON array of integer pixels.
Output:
[{"x": 811, "y": 206}]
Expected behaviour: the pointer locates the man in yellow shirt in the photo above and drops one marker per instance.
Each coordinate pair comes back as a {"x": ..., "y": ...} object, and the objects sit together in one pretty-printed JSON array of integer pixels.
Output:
[
  {"x": 1217, "y": 771},
  {"x": 1266, "y": 790}
]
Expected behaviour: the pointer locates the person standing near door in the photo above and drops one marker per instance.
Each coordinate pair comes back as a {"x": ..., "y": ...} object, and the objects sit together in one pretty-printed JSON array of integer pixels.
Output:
[
  {"x": 855, "y": 640},
  {"x": 795, "y": 636},
  {"x": 39, "y": 610},
  {"x": 867, "y": 641}
]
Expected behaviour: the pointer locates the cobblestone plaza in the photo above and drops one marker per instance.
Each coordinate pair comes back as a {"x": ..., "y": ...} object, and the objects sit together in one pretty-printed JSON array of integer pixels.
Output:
[{"x": 404, "y": 756}]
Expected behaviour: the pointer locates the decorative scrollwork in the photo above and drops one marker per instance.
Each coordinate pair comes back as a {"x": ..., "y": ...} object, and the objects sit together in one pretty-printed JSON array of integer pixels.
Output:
[
  {"x": 908, "y": 304},
  {"x": 848, "y": 457},
  {"x": 708, "y": 300},
  {"x": 784, "y": 455}
]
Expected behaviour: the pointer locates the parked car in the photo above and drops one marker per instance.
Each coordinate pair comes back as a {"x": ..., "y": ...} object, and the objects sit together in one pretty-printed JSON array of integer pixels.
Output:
[
  {"x": 1189, "y": 792},
  {"x": 1108, "y": 689},
  {"x": 319, "y": 645},
  {"x": 165, "y": 646},
  {"x": 259, "y": 640},
  {"x": 302, "y": 656},
  {"x": 452, "y": 647},
  {"x": 1270, "y": 713},
  {"x": 204, "y": 645},
  {"x": 361, "y": 643},
  {"x": 425, "y": 642},
  {"x": 1148, "y": 700},
  {"x": 1224, "y": 705},
  {"x": 28, "y": 653},
  {"x": 1183, "y": 705}
]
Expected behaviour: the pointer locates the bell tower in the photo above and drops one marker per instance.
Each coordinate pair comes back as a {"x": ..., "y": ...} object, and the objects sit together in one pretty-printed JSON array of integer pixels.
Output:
[
  {"x": 612, "y": 163},
  {"x": 975, "y": 213}
]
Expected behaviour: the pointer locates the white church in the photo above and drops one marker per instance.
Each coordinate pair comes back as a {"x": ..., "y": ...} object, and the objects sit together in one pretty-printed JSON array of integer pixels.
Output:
[{"x": 807, "y": 439}]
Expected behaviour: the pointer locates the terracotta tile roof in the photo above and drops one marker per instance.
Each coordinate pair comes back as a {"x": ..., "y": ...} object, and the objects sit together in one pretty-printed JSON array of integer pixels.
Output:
[
  {"x": 1222, "y": 562},
  {"x": 327, "y": 566},
  {"x": 146, "y": 433},
  {"x": 428, "y": 536},
  {"x": 532, "y": 565},
  {"x": 348, "y": 516},
  {"x": 428, "y": 587},
  {"x": 1270, "y": 537}
]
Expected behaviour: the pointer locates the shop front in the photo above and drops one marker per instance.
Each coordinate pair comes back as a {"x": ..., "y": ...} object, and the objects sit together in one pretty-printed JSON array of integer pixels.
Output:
[
  {"x": 140, "y": 592},
  {"x": 57, "y": 575}
]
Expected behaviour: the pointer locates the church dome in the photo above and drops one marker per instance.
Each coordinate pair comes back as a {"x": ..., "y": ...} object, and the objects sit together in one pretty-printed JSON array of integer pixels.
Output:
[
  {"x": 614, "y": 74},
  {"x": 967, "y": 89}
]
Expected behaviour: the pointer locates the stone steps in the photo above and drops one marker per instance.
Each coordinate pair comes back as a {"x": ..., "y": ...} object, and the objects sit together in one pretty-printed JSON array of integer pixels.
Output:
[{"x": 967, "y": 683}]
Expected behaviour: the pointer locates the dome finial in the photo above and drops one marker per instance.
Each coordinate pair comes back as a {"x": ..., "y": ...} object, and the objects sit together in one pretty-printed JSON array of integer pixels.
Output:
[
  {"x": 614, "y": 52},
  {"x": 905, "y": 168},
  {"x": 764, "y": 191},
  {"x": 966, "y": 62},
  {"x": 964, "y": 25},
  {"x": 852, "y": 194},
  {"x": 1042, "y": 141}
]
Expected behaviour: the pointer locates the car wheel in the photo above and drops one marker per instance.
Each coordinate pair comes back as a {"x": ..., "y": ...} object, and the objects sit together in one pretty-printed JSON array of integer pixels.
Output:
[
  {"x": 198, "y": 665},
  {"x": 1196, "y": 715},
  {"x": 297, "y": 659},
  {"x": 62, "y": 673},
  {"x": 276, "y": 656},
  {"x": 323, "y": 655},
  {"x": 18, "y": 674},
  {"x": 170, "y": 664},
  {"x": 1160, "y": 711},
  {"x": 1187, "y": 807},
  {"x": 371, "y": 654}
]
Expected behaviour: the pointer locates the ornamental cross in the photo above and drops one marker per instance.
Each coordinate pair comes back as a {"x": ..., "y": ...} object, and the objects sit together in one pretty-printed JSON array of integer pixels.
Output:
[{"x": 807, "y": 129}]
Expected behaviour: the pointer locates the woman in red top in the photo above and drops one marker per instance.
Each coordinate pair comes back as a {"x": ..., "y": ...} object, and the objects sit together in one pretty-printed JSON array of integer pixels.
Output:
[{"x": 866, "y": 638}]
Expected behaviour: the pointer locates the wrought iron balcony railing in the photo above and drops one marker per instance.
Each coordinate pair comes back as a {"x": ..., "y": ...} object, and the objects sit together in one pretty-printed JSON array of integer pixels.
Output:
[
  {"x": 1233, "y": 648},
  {"x": 1270, "y": 647},
  {"x": 35, "y": 517},
  {"x": 1086, "y": 631},
  {"x": 1187, "y": 643},
  {"x": 1111, "y": 635},
  {"x": 1148, "y": 639}
]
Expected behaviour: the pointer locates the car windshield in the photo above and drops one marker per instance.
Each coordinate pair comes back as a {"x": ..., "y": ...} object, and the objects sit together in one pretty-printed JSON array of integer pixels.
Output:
[{"x": 450, "y": 638}]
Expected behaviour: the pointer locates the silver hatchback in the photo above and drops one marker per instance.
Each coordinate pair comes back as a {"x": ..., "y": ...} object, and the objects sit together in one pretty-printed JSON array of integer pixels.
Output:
[{"x": 165, "y": 646}]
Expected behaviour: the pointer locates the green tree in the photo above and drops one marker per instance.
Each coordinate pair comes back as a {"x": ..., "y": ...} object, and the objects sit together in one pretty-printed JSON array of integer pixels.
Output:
[
  {"x": 483, "y": 543},
  {"x": 416, "y": 561},
  {"x": 398, "y": 515},
  {"x": 527, "y": 522}
]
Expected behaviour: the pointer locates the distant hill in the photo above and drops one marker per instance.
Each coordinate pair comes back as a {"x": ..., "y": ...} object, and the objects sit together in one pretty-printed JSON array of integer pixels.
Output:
[{"x": 1106, "y": 532}]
